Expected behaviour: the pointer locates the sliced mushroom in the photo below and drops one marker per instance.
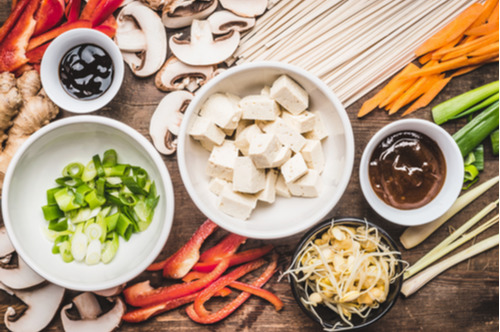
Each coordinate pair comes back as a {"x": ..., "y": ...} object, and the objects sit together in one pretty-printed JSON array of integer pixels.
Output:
[
  {"x": 176, "y": 75},
  {"x": 6, "y": 247},
  {"x": 154, "y": 4},
  {"x": 166, "y": 120},
  {"x": 154, "y": 55},
  {"x": 20, "y": 275},
  {"x": 131, "y": 41},
  {"x": 245, "y": 8},
  {"x": 87, "y": 305},
  {"x": 110, "y": 291},
  {"x": 106, "y": 322},
  {"x": 42, "y": 303},
  {"x": 224, "y": 21},
  {"x": 202, "y": 49},
  {"x": 181, "y": 13}
]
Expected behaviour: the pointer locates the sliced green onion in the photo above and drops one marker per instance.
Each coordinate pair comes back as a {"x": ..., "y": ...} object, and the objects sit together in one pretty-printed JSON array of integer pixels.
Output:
[
  {"x": 94, "y": 200},
  {"x": 114, "y": 181},
  {"x": 110, "y": 248},
  {"x": 485, "y": 103},
  {"x": 58, "y": 226},
  {"x": 124, "y": 227},
  {"x": 68, "y": 181},
  {"x": 128, "y": 199},
  {"x": 116, "y": 170},
  {"x": 110, "y": 158},
  {"x": 111, "y": 221},
  {"x": 93, "y": 232},
  {"x": 79, "y": 244},
  {"x": 74, "y": 170},
  {"x": 50, "y": 195},
  {"x": 98, "y": 165},
  {"x": 133, "y": 186},
  {"x": 494, "y": 142},
  {"x": 470, "y": 176},
  {"x": 90, "y": 172},
  {"x": 93, "y": 255},
  {"x": 65, "y": 199},
  {"x": 65, "y": 250},
  {"x": 80, "y": 193},
  {"x": 52, "y": 212},
  {"x": 57, "y": 242}
]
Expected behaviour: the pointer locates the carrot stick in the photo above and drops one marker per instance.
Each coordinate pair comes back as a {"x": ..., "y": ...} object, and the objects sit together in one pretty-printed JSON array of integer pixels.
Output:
[
  {"x": 484, "y": 29},
  {"x": 466, "y": 48},
  {"x": 425, "y": 58},
  {"x": 485, "y": 50},
  {"x": 451, "y": 31},
  {"x": 464, "y": 71},
  {"x": 428, "y": 96},
  {"x": 488, "y": 7},
  {"x": 374, "y": 101},
  {"x": 494, "y": 15},
  {"x": 399, "y": 90},
  {"x": 416, "y": 90},
  {"x": 450, "y": 45}
]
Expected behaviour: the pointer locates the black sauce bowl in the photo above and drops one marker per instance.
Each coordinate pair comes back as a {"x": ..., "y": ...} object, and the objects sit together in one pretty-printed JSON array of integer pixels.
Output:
[{"x": 329, "y": 317}]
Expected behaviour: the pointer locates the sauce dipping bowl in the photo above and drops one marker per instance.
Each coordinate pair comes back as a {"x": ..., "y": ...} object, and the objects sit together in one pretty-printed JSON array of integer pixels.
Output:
[
  {"x": 33, "y": 170},
  {"x": 445, "y": 197},
  {"x": 49, "y": 70},
  {"x": 329, "y": 318}
]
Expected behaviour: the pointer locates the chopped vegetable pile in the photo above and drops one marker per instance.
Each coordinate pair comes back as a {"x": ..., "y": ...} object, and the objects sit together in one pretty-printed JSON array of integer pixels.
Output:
[{"x": 93, "y": 205}]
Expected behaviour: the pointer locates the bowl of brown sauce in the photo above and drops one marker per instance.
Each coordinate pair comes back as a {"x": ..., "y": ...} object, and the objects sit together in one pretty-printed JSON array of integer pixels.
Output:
[
  {"x": 82, "y": 70},
  {"x": 411, "y": 172}
]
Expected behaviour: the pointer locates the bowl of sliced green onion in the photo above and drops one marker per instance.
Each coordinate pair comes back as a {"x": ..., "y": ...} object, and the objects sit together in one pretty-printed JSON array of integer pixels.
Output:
[
  {"x": 87, "y": 203},
  {"x": 346, "y": 273}
]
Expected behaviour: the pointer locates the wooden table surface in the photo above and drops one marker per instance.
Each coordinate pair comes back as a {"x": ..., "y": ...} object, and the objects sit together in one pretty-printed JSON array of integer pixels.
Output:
[{"x": 463, "y": 298}]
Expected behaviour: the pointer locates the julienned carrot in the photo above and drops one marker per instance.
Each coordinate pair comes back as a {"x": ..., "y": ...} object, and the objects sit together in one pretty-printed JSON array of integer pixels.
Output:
[
  {"x": 488, "y": 7},
  {"x": 399, "y": 90},
  {"x": 451, "y": 31},
  {"x": 494, "y": 15},
  {"x": 416, "y": 90},
  {"x": 427, "y": 57},
  {"x": 375, "y": 101},
  {"x": 484, "y": 29},
  {"x": 466, "y": 48},
  {"x": 464, "y": 70},
  {"x": 428, "y": 96},
  {"x": 488, "y": 49}
]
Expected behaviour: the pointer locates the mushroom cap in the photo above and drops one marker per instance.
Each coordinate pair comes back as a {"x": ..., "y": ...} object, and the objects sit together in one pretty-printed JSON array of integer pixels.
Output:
[
  {"x": 245, "y": 8},
  {"x": 110, "y": 291},
  {"x": 202, "y": 49},
  {"x": 154, "y": 32},
  {"x": 167, "y": 119},
  {"x": 19, "y": 277},
  {"x": 176, "y": 75},
  {"x": 224, "y": 21},
  {"x": 106, "y": 322},
  {"x": 42, "y": 303},
  {"x": 181, "y": 13},
  {"x": 6, "y": 247}
]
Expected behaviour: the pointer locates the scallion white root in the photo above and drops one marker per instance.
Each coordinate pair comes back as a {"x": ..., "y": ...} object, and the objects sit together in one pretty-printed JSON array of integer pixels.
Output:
[
  {"x": 415, "y": 235},
  {"x": 414, "y": 284}
]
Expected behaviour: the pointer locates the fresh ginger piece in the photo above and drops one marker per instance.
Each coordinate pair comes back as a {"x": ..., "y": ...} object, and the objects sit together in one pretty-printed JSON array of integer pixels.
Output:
[{"x": 29, "y": 84}]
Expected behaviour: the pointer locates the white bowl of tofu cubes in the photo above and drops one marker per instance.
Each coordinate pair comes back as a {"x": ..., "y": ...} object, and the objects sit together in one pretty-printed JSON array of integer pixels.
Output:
[{"x": 265, "y": 150}]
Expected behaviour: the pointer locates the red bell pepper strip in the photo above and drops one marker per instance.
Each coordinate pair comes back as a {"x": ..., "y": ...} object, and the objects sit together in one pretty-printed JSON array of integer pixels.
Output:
[
  {"x": 108, "y": 27},
  {"x": 257, "y": 291},
  {"x": 89, "y": 9},
  {"x": 222, "y": 282},
  {"x": 104, "y": 9},
  {"x": 226, "y": 247},
  {"x": 48, "y": 15},
  {"x": 13, "y": 45},
  {"x": 193, "y": 275},
  {"x": 17, "y": 10},
  {"x": 142, "y": 294},
  {"x": 49, "y": 35},
  {"x": 144, "y": 313},
  {"x": 35, "y": 55},
  {"x": 237, "y": 302},
  {"x": 72, "y": 9},
  {"x": 235, "y": 259}
]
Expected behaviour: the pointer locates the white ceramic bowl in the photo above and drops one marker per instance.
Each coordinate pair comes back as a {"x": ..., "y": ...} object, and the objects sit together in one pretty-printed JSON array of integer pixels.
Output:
[
  {"x": 286, "y": 216},
  {"x": 449, "y": 191},
  {"x": 49, "y": 69},
  {"x": 40, "y": 161}
]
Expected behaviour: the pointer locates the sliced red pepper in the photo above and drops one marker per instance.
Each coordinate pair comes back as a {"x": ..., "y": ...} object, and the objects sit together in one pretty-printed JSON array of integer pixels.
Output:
[
  {"x": 237, "y": 302},
  {"x": 35, "y": 55},
  {"x": 257, "y": 291},
  {"x": 104, "y": 9},
  {"x": 108, "y": 27},
  {"x": 17, "y": 10},
  {"x": 144, "y": 313},
  {"x": 226, "y": 247},
  {"x": 222, "y": 282},
  {"x": 72, "y": 9},
  {"x": 89, "y": 9},
  {"x": 13, "y": 45},
  {"x": 235, "y": 259},
  {"x": 142, "y": 294},
  {"x": 49, "y": 35},
  {"x": 48, "y": 15}
]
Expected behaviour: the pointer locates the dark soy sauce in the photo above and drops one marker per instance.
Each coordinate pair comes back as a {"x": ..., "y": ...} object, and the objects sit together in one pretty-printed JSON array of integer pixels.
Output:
[{"x": 86, "y": 71}]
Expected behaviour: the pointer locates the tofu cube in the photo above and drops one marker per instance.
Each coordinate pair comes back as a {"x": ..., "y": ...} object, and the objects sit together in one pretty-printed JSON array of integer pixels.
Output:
[
  {"x": 282, "y": 156},
  {"x": 242, "y": 125},
  {"x": 290, "y": 95},
  {"x": 243, "y": 139},
  {"x": 286, "y": 134},
  {"x": 306, "y": 186},
  {"x": 221, "y": 161},
  {"x": 268, "y": 195},
  {"x": 203, "y": 129},
  {"x": 216, "y": 185},
  {"x": 236, "y": 204},
  {"x": 246, "y": 177},
  {"x": 266, "y": 90},
  {"x": 302, "y": 122},
  {"x": 294, "y": 168},
  {"x": 259, "y": 107},
  {"x": 313, "y": 155},
  {"x": 318, "y": 131},
  {"x": 263, "y": 149},
  {"x": 281, "y": 187},
  {"x": 223, "y": 110}
]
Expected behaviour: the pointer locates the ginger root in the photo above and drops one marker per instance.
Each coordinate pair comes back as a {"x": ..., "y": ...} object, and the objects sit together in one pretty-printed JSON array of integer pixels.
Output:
[
  {"x": 35, "y": 110},
  {"x": 10, "y": 102}
]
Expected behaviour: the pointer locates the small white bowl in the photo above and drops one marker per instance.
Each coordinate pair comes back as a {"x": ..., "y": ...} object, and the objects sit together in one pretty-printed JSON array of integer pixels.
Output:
[
  {"x": 40, "y": 161},
  {"x": 451, "y": 187},
  {"x": 286, "y": 216},
  {"x": 49, "y": 69}
]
